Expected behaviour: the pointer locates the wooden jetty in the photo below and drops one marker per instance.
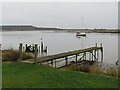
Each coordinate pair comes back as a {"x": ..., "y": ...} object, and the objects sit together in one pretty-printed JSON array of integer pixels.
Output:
[{"x": 91, "y": 54}]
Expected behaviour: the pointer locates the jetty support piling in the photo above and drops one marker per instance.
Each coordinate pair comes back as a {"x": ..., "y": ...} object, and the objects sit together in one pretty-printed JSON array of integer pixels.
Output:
[
  {"x": 66, "y": 60},
  {"x": 52, "y": 63},
  {"x": 55, "y": 63},
  {"x": 101, "y": 54},
  {"x": 76, "y": 58},
  {"x": 0, "y": 46}
]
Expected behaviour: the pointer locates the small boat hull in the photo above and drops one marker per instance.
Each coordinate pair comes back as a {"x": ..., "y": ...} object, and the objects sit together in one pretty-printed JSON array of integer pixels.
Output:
[{"x": 80, "y": 34}]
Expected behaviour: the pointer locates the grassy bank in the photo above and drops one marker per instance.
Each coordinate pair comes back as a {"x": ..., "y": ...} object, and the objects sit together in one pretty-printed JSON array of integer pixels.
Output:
[
  {"x": 94, "y": 30},
  {"x": 68, "y": 30},
  {"x": 16, "y": 75}
]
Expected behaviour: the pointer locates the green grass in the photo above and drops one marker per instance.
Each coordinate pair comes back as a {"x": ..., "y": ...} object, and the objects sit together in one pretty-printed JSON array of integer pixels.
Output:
[{"x": 17, "y": 75}]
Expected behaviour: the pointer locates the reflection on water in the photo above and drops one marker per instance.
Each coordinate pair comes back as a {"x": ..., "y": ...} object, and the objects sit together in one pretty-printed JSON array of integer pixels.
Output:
[{"x": 58, "y": 42}]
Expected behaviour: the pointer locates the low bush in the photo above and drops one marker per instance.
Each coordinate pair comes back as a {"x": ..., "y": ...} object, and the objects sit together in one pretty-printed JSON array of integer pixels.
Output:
[
  {"x": 112, "y": 72},
  {"x": 13, "y": 55}
]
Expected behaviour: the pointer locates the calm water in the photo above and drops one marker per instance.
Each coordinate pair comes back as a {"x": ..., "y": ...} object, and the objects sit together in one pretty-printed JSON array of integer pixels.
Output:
[{"x": 58, "y": 42}]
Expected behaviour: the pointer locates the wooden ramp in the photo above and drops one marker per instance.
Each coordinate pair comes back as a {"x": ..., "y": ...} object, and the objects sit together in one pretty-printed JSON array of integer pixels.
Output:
[{"x": 65, "y": 55}]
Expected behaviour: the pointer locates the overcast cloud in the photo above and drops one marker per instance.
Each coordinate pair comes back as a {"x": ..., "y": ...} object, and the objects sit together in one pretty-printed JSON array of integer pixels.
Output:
[{"x": 61, "y": 14}]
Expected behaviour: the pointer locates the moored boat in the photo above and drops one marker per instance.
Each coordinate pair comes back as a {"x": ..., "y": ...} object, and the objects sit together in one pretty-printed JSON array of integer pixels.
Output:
[{"x": 80, "y": 34}]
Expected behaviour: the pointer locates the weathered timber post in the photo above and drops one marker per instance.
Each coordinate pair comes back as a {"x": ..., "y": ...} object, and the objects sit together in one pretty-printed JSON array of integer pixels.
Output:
[
  {"x": 20, "y": 51},
  {"x": 66, "y": 61},
  {"x": 36, "y": 52},
  {"x": 101, "y": 53},
  {"x": 92, "y": 55},
  {"x": 96, "y": 45},
  {"x": 23, "y": 49},
  {"x": 41, "y": 47},
  {"x": 76, "y": 58},
  {"x": 0, "y": 47},
  {"x": 97, "y": 54},
  {"x": 52, "y": 63},
  {"x": 96, "y": 51},
  {"x": 55, "y": 63},
  {"x": 85, "y": 55}
]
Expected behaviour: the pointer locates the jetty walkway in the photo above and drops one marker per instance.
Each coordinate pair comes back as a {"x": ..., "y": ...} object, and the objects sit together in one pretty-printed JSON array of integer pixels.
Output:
[{"x": 91, "y": 54}]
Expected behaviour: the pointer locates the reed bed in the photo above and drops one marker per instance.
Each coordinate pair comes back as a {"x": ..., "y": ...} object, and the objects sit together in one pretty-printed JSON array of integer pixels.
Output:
[{"x": 109, "y": 71}]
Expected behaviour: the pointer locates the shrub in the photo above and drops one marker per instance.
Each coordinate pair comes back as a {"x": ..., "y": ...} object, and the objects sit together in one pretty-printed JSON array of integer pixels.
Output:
[
  {"x": 10, "y": 55},
  {"x": 13, "y": 55},
  {"x": 112, "y": 72},
  {"x": 96, "y": 70}
]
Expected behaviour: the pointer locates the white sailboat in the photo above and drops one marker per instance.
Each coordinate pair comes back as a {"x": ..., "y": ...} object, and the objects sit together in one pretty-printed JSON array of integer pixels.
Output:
[{"x": 81, "y": 33}]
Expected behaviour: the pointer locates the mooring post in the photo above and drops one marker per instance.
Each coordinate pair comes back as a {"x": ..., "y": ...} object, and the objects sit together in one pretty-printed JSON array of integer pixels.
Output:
[
  {"x": 36, "y": 52},
  {"x": 23, "y": 49},
  {"x": 20, "y": 51},
  {"x": 100, "y": 44},
  {"x": 41, "y": 46},
  {"x": 66, "y": 60}
]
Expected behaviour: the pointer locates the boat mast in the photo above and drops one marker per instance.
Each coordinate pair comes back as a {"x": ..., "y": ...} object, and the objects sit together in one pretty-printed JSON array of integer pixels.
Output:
[{"x": 82, "y": 22}]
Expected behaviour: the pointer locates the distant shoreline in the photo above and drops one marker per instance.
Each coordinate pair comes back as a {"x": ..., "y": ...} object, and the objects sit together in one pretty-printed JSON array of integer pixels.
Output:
[{"x": 33, "y": 28}]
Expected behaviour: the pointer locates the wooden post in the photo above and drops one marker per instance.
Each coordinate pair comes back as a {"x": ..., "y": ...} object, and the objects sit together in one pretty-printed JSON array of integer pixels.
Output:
[
  {"x": 97, "y": 54},
  {"x": 101, "y": 53},
  {"x": 85, "y": 55},
  {"x": 36, "y": 52},
  {"x": 92, "y": 55},
  {"x": 41, "y": 47},
  {"x": 101, "y": 44},
  {"x": 20, "y": 51},
  {"x": 55, "y": 63},
  {"x": 52, "y": 63},
  {"x": 23, "y": 49},
  {"x": 89, "y": 56},
  {"x": 66, "y": 61},
  {"x": 0, "y": 47},
  {"x": 96, "y": 45},
  {"x": 76, "y": 58}
]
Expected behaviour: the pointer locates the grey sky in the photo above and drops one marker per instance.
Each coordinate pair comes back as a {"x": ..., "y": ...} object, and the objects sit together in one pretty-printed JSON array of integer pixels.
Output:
[{"x": 61, "y": 14}]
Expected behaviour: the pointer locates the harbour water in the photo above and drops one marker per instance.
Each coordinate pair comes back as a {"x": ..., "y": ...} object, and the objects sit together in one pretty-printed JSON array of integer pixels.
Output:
[{"x": 59, "y": 42}]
